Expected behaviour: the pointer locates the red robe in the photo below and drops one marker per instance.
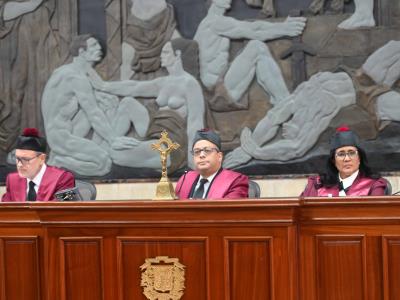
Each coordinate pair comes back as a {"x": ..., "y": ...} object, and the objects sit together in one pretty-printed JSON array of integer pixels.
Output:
[
  {"x": 362, "y": 186},
  {"x": 54, "y": 180},
  {"x": 226, "y": 184}
]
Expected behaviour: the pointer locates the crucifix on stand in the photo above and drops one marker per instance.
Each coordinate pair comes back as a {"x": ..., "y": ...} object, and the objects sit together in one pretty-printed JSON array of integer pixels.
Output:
[{"x": 165, "y": 190}]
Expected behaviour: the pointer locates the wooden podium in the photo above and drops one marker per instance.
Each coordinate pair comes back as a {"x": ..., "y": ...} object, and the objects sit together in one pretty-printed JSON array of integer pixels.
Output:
[{"x": 230, "y": 250}]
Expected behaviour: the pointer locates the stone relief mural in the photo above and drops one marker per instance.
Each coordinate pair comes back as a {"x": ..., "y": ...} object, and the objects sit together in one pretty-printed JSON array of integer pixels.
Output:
[
  {"x": 179, "y": 98},
  {"x": 273, "y": 77},
  {"x": 232, "y": 76},
  {"x": 27, "y": 58},
  {"x": 72, "y": 108},
  {"x": 303, "y": 116},
  {"x": 309, "y": 110},
  {"x": 149, "y": 25},
  {"x": 362, "y": 16}
]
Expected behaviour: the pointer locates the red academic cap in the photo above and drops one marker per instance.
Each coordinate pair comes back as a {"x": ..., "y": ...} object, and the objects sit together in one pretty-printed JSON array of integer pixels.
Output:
[{"x": 31, "y": 140}]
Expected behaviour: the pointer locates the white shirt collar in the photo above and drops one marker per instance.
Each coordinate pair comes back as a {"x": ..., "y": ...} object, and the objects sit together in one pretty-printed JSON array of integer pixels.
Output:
[
  {"x": 207, "y": 184},
  {"x": 209, "y": 178},
  {"x": 347, "y": 182},
  {"x": 38, "y": 178}
]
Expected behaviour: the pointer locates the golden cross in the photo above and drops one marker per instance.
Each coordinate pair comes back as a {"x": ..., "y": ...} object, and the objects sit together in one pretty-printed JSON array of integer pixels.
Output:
[{"x": 164, "y": 146}]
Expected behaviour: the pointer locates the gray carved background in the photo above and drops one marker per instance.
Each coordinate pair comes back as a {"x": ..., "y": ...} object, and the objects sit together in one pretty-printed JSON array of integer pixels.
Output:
[{"x": 27, "y": 61}]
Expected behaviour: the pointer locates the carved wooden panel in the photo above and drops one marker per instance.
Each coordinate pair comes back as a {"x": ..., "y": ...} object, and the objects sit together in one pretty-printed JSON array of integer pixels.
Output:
[
  {"x": 81, "y": 271},
  {"x": 391, "y": 266},
  {"x": 192, "y": 252},
  {"x": 312, "y": 249},
  {"x": 340, "y": 267},
  {"x": 19, "y": 268},
  {"x": 374, "y": 275},
  {"x": 249, "y": 268}
]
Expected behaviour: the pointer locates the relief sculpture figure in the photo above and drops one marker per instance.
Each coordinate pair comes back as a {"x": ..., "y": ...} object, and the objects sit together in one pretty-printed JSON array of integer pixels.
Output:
[
  {"x": 29, "y": 53},
  {"x": 72, "y": 109},
  {"x": 14, "y": 9},
  {"x": 383, "y": 67},
  {"x": 255, "y": 60},
  {"x": 178, "y": 92},
  {"x": 307, "y": 112},
  {"x": 150, "y": 24},
  {"x": 363, "y": 15},
  {"x": 302, "y": 117}
]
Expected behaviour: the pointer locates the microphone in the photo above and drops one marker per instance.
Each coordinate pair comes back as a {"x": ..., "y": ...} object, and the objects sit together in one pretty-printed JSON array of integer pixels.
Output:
[
  {"x": 183, "y": 180},
  {"x": 71, "y": 194},
  {"x": 398, "y": 192}
]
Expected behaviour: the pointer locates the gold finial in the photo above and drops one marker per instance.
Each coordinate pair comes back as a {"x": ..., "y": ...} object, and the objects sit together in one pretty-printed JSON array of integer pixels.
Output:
[{"x": 165, "y": 190}]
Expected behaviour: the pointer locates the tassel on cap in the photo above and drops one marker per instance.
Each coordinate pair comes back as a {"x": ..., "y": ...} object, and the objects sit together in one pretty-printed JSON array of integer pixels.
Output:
[
  {"x": 344, "y": 137},
  {"x": 31, "y": 140},
  {"x": 31, "y": 132}
]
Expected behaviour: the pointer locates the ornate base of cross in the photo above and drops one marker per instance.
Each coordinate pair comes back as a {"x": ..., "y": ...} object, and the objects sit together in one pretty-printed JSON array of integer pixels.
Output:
[{"x": 165, "y": 190}]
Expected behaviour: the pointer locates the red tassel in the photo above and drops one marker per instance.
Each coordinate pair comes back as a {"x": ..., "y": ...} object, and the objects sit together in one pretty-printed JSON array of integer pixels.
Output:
[
  {"x": 31, "y": 132},
  {"x": 342, "y": 128}
]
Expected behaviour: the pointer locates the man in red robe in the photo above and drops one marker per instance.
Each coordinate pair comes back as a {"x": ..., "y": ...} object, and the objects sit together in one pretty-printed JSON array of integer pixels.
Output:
[
  {"x": 34, "y": 180},
  {"x": 210, "y": 180}
]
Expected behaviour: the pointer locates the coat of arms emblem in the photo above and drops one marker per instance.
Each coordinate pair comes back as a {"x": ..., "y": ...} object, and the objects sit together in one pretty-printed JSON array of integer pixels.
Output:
[{"x": 163, "y": 278}]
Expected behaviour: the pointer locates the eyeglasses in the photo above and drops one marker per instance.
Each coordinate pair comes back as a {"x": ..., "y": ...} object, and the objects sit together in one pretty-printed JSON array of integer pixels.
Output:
[
  {"x": 25, "y": 160},
  {"x": 207, "y": 151},
  {"x": 351, "y": 154}
]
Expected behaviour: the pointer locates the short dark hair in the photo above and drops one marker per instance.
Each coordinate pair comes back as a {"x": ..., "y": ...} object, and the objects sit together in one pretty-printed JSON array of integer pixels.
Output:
[{"x": 78, "y": 42}]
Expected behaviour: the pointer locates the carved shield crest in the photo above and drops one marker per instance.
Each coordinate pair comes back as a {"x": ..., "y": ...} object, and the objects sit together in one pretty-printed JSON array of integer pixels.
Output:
[{"x": 163, "y": 278}]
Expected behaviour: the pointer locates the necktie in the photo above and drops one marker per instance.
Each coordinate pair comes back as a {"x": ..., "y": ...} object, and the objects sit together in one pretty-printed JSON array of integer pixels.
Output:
[
  {"x": 31, "y": 192},
  {"x": 198, "y": 194},
  {"x": 341, "y": 188}
]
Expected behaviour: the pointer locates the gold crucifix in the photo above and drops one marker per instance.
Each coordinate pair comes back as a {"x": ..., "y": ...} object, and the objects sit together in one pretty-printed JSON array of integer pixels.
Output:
[{"x": 165, "y": 190}]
